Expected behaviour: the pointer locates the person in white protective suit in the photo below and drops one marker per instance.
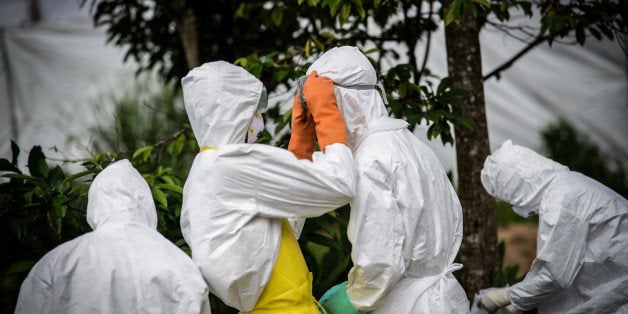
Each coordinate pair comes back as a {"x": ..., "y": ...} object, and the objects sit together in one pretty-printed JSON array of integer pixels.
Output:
[
  {"x": 238, "y": 195},
  {"x": 582, "y": 245},
  {"x": 123, "y": 266},
  {"x": 406, "y": 219}
]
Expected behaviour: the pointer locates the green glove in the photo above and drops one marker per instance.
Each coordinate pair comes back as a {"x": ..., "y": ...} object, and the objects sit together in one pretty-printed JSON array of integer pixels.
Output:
[{"x": 336, "y": 301}]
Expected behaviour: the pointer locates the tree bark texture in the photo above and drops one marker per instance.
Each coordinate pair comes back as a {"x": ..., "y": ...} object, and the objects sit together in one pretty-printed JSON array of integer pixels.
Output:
[
  {"x": 479, "y": 252},
  {"x": 187, "y": 29}
]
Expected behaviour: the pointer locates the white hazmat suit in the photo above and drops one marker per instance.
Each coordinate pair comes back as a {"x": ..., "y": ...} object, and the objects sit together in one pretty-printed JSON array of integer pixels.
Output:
[
  {"x": 237, "y": 194},
  {"x": 582, "y": 245},
  {"x": 123, "y": 266},
  {"x": 406, "y": 220}
]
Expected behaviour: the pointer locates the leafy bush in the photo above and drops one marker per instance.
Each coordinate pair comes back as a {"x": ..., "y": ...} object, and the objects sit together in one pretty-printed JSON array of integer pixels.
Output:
[{"x": 38, "y": 211}]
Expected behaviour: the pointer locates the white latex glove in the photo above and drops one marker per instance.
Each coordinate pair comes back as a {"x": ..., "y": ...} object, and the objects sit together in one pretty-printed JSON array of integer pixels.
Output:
[{"x": 495, "y": 299}]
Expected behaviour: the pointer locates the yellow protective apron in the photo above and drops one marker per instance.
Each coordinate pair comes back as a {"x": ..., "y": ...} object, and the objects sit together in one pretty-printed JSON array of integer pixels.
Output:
[{"x": 289, "y": 290}]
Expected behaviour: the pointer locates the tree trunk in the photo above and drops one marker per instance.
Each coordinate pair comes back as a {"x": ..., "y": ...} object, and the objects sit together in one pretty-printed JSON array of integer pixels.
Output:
[
  {"x": 186, "y": 27},
  {"x": 479, "y": 245}
]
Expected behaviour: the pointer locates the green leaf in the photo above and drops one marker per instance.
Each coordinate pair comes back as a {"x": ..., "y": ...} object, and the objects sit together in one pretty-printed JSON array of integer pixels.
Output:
[
  {"x": 180, "y": 242},
  {"x": 5, "y": 165},
  {"x": 19, "y": 267},
  {"x": 168, "y": 179},
  {"x": 143, "y": 153},
  {"x": 473, "y": 8},
  {"x": 240, "y": 11},
  {"x": 16, "y": 227},
  {"x": 287, "y": 116},
  {"x": 344, "y": 14},
  {"x": 403, "y": 88},
  {"x": 175, "y": 147},
  {"x": 171, "y": 187},
  {"x": 281, "y": 75},
  {"x": 75, "y": 176},
  {"x": 324, "y": 224},
  {"x": 443, "y": 85},
  {"x": 595, "y": 33},
  {"x": 361, "y": 11},
  {"x": 160, "y": 197},
  {"x": 449, "y": 13},
  {"x": 56, "y": 176},
  {"x": 324, "y": 241},
  {"x": 318, "y": 44},
  {"x": 460, "y": 120},
  {"x": 37, "y": 165},
  {"x": 374, "y": 50},
  {"x": 256, "y": 69},
  {"x": 39, "y": 182},
  {"x": 241, "y": 61},
  {"x": 54, "y": 221},
  {"x": 483, "y": 3},
  {"x": 580, "y": 35},
  {"x": 15, "y": 151},
  {"x": 333, "y": 6},
  {"x": 308, "y": 44},
  {"x": 328, "y": 35},
  {"x": 277, "y": 15},
  {"x": 61, "y": 211}
]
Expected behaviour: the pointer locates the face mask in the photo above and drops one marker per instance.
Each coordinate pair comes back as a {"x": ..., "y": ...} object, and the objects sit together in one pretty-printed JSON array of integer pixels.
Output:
[
  {"x": 523, "y": 212},
  {"x": 255, "y": 129}
]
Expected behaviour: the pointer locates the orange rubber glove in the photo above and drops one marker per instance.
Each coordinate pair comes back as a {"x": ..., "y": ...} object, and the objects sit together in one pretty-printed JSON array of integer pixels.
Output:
[
  {"x": 321, "y": 101},
  {"x": 303, "y": 138}
]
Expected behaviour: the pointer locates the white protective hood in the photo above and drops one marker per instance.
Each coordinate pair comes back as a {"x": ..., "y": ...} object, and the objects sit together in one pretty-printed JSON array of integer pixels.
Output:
[
  {"x": 518, "y": 175},
  {"x": 123, "y": 266},
  {"x": 236, "y": 195},
  {"x": 406, "y": 220},
  {"x": 220, "y": 110},
  {"x": 582, "y": 245},
  {"x": 112, "y": 202},
  {"x": 363, "y": 110}
]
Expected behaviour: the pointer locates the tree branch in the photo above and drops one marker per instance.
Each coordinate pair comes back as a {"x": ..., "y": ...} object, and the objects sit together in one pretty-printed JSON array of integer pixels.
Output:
[{"x": 516, "y": 57}]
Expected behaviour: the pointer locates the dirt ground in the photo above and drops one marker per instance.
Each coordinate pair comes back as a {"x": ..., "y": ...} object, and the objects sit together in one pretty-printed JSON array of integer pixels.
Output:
[{"x": 520, "y": 240}]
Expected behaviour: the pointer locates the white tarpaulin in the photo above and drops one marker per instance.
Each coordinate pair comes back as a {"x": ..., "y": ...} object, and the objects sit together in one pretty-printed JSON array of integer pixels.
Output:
[
  {"x": 50, "y": 70},
  {"x": 587, "y": 86}
]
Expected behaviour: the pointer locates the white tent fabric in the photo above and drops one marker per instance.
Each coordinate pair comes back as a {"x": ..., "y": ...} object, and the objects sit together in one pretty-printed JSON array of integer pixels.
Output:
[{"x": 48, "y": 70}]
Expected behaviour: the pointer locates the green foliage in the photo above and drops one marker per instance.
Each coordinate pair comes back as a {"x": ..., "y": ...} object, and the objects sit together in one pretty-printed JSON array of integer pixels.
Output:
[
  {"x": 506, "y": 276},
  {"x": 505, "y": 215},
  {"x": 560, "y": 19},
  {"x": 569, "y": 147},
  {"x": 150, "y": 127},
  {"x": 38, "y": 211},
  {"x": 327, "y": 249},
  {"x": 601, "y": 18},
  {"x": 436, "y": 106}
]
